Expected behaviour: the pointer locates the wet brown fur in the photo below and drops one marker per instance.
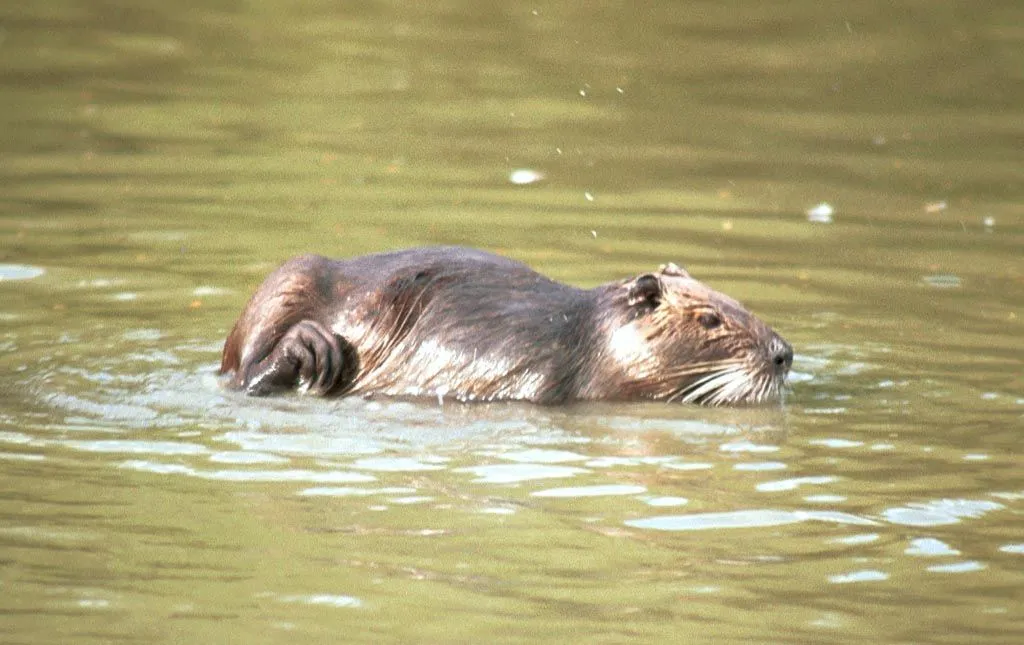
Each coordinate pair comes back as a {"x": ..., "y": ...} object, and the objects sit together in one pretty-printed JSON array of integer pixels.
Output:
[{"x": 461, "y": 323}]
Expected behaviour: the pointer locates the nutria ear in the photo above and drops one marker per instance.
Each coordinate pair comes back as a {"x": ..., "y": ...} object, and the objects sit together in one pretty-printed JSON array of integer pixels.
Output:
[
  {"x": 673, "y": 269},
  {"x": 645, "y": 291}
]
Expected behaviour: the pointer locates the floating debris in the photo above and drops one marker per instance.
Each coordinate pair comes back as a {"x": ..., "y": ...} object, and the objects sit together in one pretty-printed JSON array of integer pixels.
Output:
[
  {"x": 323, "y": 600},
  {"x": 935, "y": 207},
  {"x": 19, "y": 272},
  {"x": 943, "y": 281},
  {"x": 210, "y": 291},
  {"x": 821, "y": 214},
  {"x": 524, "y": 176}
]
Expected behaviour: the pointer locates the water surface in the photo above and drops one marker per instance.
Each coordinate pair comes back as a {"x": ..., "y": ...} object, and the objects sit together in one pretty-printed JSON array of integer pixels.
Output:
[{"x": 853, "y": 174}]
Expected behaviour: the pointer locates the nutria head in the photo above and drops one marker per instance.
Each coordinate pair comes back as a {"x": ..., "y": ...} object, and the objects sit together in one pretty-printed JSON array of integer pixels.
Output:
[{"x": 676, "y": 339}]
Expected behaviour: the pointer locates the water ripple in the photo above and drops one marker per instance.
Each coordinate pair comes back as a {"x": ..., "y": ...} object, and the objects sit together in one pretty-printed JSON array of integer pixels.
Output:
[
  {"x": 793, "y": 484},
  {"x": 760, "y": 466},
  {"x": 743, "y": 519},
  {"x": 329, "y": 477},
  {"x": 395, "y": 465},
  {"x": 867, "y": 575},
  {"x": 747, "y": 446},
  {"x": 929, "y": 547},
  {"x": 860, "y": 538},
  {"x": 591, "y": 491},
  {"x": 666, "y": 500},
  {"x": 537, "y": 456},
  {"x": 138, "y": 447},
  {"x": 836, "y": 443},
  {"x": 939, "y": 512},
  {"x": 324, "y": 600},
  {"x": 689, "y": 465},
  {"x": 245, "y": 457},
  {"x": 957, "y": 567},
  {"x": 511, "y": 473},
  {"x": 352, "y": 491}
]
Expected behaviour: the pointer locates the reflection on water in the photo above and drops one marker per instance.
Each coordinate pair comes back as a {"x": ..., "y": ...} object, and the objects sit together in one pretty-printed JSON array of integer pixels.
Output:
[{"x": 852, "y": 175}]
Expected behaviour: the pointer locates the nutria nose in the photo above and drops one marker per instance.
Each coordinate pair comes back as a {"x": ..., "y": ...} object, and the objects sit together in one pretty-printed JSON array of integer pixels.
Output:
[{"x": 782, "y": 354}]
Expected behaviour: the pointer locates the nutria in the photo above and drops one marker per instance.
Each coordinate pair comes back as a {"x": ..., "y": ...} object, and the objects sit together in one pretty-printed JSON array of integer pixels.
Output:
[{"x": 473, "y": 326}]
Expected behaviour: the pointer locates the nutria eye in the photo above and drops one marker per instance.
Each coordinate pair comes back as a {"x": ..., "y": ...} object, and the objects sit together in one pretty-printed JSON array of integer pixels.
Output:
[{"x": 709, "y": 320}]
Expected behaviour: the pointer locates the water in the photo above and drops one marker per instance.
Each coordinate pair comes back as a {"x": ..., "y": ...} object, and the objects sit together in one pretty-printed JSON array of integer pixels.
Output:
[{"x": 853, "y": 174}]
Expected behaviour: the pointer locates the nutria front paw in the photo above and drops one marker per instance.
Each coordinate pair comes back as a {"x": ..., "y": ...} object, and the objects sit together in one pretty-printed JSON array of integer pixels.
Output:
[{"x": 308, "y": 356}]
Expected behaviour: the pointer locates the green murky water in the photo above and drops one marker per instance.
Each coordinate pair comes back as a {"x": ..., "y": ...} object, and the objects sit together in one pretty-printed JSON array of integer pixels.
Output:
[{"x": 852, "y": 172}]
